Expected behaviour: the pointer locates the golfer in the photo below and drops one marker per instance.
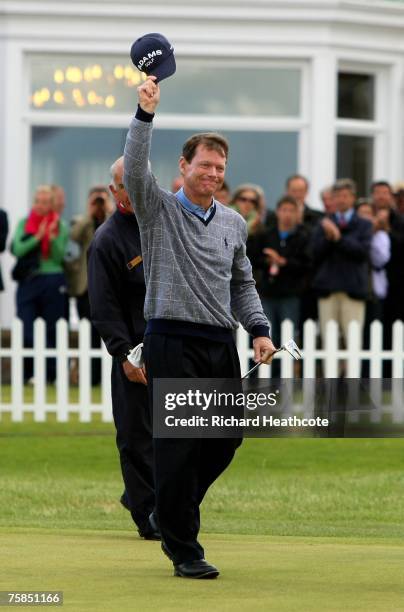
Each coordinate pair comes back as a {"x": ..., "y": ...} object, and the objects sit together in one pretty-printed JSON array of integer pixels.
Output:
[{"x": 198, "y": 284}]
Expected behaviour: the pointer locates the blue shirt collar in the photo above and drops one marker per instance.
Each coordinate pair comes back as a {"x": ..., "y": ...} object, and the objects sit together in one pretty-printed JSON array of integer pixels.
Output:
[
  {"x": 347, "y": 215},
  {"x": 194, "y": 208}
]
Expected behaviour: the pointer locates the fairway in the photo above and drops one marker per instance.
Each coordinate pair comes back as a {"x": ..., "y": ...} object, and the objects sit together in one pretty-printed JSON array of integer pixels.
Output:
[{"x": 294, "y": 524}]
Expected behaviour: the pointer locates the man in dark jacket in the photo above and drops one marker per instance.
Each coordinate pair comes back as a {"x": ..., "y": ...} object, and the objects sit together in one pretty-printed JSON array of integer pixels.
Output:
[
  {"x": 341, "y": 245},
  {"x": 282, "y": 256},
  {"x": 297, "y": 186},
  {"x": 117, "y": 290}
]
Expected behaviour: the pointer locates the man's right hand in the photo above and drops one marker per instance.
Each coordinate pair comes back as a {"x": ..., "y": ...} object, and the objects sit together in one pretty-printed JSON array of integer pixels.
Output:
[
  {"x": 137, "y": 375},
  {"x": 274, "y": 257},
  {"x": 149, "y": 95},
  {"x": 331, "y": 230},
  {"x": 383, "y": 219}
]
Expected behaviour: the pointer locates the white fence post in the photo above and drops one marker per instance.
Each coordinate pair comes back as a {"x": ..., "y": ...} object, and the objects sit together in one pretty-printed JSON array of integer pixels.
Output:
[
  {"x": 17, "y": 382},
  {"x": 62, "y": 371},
  {"x": 39, "y": 370},
  {"x": 243, "y": 349},
  {"x": 309, "y": 350},
  {"x": 331, "y": 350},
  {"x": 309, "y": 365},
  {"x": 354, "y": 349},
  {"x": 287, "y": 362},
  {"x": 376, "y": 367},
  {"x": 376, "y": 350},
  {"x": 84, "y": 371},
  {"x": 397, "y": 373},
  {"x": 106, "y": 385}
]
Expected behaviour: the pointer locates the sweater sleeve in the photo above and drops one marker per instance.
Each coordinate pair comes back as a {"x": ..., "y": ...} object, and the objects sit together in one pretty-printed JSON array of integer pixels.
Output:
[
  {"x": 245, "y": 302},
  {"x": 138, "y": 179},
  {"x": 79, "y": 228},
  {"x": 58, "y": 244},
  {"x": 321, "y": 247},
  {"x": 20, "y": 247},
  {"x": 380, "y": 251}
]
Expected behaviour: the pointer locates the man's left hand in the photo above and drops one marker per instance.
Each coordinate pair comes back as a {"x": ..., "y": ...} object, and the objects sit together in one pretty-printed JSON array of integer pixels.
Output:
[
  {"x": 137, "y": 375},
  {"x": 263, "y": 349}
]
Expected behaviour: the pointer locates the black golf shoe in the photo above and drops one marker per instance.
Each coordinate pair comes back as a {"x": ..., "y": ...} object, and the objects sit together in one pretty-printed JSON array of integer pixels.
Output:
[
  {"x": 196, "y": 569},
  {"x": 152, "y": 531},
  {"x": 124, "y": 501}
]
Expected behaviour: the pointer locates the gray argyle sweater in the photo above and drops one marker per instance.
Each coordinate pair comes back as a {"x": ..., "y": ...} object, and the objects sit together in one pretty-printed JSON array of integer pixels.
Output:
[{"x": 195, "y": 271}]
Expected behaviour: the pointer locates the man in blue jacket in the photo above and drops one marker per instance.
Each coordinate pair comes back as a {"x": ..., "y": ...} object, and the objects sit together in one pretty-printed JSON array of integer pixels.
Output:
[{"x": 341, "y": 245}]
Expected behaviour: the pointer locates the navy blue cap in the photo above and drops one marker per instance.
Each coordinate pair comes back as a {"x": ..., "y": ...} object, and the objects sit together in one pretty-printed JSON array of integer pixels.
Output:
[{"x": 154, "y": 55}]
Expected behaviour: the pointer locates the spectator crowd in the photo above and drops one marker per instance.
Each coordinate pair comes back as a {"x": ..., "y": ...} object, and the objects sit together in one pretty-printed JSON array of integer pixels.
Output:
[{"x": 342, "y": 263}]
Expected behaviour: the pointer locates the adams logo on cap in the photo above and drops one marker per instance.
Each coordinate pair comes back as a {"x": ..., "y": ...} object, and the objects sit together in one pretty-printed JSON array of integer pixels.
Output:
[
  {"x": 154, "y": 55},
  {"x": 147, "y": 61}
]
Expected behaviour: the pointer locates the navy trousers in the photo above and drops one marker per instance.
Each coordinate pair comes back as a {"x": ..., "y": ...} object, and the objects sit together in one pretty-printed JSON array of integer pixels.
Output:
[
  {"x": 185, "y": 468},
  {"x": 132, "y": 417},
  {"x": 42, "y": 295}
]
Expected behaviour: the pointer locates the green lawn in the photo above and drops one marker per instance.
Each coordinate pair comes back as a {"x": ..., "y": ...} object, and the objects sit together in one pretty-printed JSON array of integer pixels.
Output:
[
  {"x": 28, "y": 394},
  {"x": 294, "y": 524}
]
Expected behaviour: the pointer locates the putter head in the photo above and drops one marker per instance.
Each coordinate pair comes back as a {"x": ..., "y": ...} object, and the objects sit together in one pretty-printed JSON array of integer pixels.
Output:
[{"x": 292, "y": 348}]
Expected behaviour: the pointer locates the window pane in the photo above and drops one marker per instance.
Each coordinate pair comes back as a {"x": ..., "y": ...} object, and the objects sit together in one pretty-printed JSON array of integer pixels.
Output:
[
  {"x": 207, "y": 88},
  {"x": 355, "y": 160},
  {"x": 84, "y": 84},
  {"x": 78, "y": 158},
  {"x": 108, "y": 84},
  {"x": 356, "y": 96}
]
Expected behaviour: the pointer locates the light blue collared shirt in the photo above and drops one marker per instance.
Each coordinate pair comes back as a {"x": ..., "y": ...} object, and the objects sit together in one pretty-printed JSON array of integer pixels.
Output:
[
  {"x": 347, "y": 215},
  {"x": 194, "y": 208}
]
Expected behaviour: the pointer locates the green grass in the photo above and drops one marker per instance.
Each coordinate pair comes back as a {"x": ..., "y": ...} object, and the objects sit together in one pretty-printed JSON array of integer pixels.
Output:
[
  {"x": 304, "y": 487},
  {"x": 28, "y": 394},
  {"x": 294, "y": 524},
  {"x": 113, "y": 571}
]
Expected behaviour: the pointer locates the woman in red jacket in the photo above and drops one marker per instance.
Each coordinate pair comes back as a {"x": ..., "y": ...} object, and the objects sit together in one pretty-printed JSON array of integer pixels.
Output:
[{"x": 39, "y": 244}]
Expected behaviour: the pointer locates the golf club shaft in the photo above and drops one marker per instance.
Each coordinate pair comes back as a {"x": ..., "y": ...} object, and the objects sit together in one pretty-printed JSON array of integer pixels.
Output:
[{"x": 257, "y": 365}]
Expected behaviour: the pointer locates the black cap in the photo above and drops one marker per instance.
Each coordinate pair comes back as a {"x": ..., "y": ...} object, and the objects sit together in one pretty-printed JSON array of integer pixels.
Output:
[{"x": 154, "y": 55}]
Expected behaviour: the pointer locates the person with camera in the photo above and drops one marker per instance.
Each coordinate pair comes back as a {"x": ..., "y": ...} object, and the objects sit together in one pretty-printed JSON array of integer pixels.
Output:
[{"x": 82, "y": 230}]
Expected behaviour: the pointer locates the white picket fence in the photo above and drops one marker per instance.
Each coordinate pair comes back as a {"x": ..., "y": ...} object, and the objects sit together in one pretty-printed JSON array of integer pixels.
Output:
[{"x": 330, "y": 357}]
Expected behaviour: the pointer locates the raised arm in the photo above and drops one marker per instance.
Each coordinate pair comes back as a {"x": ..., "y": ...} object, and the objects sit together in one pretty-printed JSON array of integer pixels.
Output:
[{"x": 138, "y": 179}]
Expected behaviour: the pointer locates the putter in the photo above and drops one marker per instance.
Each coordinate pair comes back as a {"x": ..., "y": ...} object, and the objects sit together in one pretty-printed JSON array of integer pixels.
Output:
[{"x": 290, "y": 346}]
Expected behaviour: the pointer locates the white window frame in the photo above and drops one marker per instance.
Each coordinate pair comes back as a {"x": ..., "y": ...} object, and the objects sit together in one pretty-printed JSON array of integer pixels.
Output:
[{"x": 379, "y": 129}]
